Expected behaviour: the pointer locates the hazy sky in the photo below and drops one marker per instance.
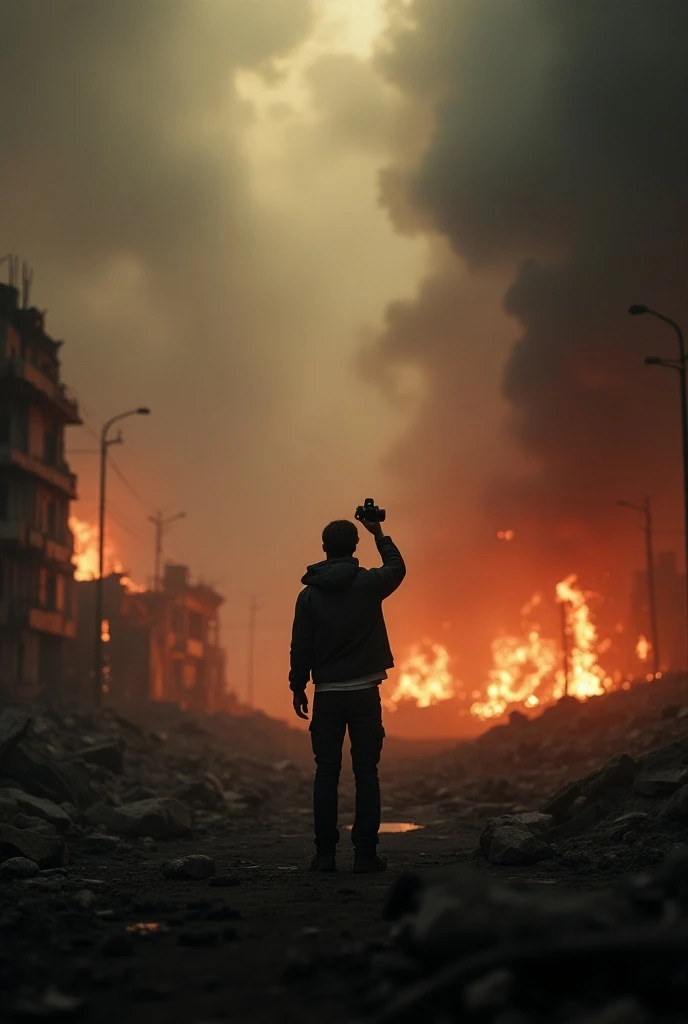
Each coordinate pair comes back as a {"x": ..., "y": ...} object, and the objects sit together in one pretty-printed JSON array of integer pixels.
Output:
[{"x": 354, "y": 247}]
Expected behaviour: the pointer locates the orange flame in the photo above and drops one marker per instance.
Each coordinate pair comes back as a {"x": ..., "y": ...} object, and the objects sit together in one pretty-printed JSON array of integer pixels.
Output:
[
  {"x": 525, "y": 670},
  {"x": 643, "y": 648},
  {"x": 424, "y": 677},
  {"x": 506, "y": 534},
  {"x": 86, "y": 555},
  {"x": 587, "y": 678}
]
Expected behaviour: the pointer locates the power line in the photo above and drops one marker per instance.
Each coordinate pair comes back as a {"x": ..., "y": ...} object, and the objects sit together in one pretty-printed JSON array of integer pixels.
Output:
[
  {"x": 129, "y": 486},
  {"x": 122, "y": 522}
]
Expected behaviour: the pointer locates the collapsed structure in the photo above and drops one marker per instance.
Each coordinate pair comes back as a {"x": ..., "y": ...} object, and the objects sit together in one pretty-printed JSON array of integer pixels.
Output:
[{"x": 159, "y": 645}]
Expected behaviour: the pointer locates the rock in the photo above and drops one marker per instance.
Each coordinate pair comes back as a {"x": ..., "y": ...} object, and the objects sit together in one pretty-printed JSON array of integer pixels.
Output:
[
  {"x": 99, "y": 843},
  {"x": 619, "y": 772},
  {"x": 159, "y": 818},
  {"x": 683, "y": 712},
  {"x": 635, "y": 820},
  {"x": 206, "y": 792},
  {"x": 52, "y": 1003},
  {"x": 18, "y": 867},
  {"x": 105, "y": 755},
  {"x": 41, "y": 775},
  {"x": 561, "y": 801},
  {"x": 677, "y": 805},
  {"x": 46, "y": 851},
  {"x": 40, "y": 807},
  {"x": 196, "y": 866},
  {"x": 532, "y": 821},
  {"x": 224, "y": 881},
  {"x": 514, "y": 845},
  {"x": 671, "y": 711},
  {"x": 14, "y": 724},
  {"x": 580, "y": 823},
  {"x": 85, "y": 898},
  {"x": 660, "y": 784},
  {"x": 34, "y": 824}
]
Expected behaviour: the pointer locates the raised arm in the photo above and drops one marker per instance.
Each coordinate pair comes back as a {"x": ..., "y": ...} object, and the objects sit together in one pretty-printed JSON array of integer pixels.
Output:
[{"x": 388, "y": 577}]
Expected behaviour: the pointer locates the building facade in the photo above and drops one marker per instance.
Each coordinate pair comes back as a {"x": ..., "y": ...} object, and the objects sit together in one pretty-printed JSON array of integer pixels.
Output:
[
  {"x": 37, "y": 605},
  {"x": 159, "y": 645}
]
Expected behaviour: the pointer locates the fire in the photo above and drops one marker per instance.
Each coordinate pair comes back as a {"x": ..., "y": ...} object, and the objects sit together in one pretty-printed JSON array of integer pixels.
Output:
[
  {"x": 643, "y": 648},
  {"x": 506, "y": 534},
  {"x": 424, "y": 677},
  {"x": 529, "y": 669},
  {"x": 86, "y": 555},
  {"x": 586, "y": 677},
  {"x": 522, "y": 669},
  {"x": 85, "y": 549}
]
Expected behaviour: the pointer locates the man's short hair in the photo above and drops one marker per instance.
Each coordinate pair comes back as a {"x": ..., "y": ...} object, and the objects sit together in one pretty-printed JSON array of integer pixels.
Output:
[{"x": 340, "y": 538}]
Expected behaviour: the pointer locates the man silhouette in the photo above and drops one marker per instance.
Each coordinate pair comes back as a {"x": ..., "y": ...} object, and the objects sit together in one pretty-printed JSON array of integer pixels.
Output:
[{"x": 340, "y": 639}]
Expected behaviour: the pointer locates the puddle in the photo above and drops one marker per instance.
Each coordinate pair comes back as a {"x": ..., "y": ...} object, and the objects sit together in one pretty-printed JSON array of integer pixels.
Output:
[
  {"x": 147, "y": 928},
  {"x": 396, "y": 826}
]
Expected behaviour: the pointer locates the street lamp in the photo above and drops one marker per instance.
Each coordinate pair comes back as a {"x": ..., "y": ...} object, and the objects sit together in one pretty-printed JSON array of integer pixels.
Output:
[
  {"x": 105, "y": 443},
  {"x": 680, "y": 366},
  {"x": 646, "y": 510}
]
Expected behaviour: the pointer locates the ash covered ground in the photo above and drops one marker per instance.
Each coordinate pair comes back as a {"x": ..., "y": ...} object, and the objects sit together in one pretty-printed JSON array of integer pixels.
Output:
[{"x": 153, "y": 866}]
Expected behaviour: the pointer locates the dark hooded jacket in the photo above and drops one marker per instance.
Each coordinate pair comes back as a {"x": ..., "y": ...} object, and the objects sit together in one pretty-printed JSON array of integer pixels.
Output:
[{"x": 339, "y": 631}]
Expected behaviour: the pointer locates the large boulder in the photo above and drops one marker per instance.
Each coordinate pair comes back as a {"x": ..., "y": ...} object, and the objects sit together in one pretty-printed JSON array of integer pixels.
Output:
[
  {"x": 40, "y": 807},
  {"x": 43, "y": 776},
  {"x": 18, "y": 868},
  {"x": 532, "y": 823},
  {"x": 46, "y": 851},
  {"x": 516, "y": 845},
  {"x": 159, "y": 818}
]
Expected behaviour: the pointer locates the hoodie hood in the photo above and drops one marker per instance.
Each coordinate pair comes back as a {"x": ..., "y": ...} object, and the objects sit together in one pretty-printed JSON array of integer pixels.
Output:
[{"x": 332, "y": 574}]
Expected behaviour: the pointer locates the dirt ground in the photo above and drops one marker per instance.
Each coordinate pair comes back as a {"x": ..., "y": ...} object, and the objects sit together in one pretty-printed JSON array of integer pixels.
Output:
[
  {"x": 177, "y": 952},
  {"x": 108, "y": 938}
]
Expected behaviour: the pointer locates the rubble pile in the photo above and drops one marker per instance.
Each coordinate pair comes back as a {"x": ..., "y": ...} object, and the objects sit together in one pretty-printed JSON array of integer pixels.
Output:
[
  {"x": 96, "y": 776},
  {"x": 467, "y": 947},
  {"x": 514, "y": 766}
]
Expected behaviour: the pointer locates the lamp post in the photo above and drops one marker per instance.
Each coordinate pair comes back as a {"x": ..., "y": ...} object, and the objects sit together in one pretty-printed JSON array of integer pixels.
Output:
[
  {"x": 105, "y": 443},
  {"x": 680, "y": 366},
  {"x": 646, "y": 510}
]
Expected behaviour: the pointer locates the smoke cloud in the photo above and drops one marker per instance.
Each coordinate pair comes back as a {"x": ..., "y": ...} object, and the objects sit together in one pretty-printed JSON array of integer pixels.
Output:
[
  {"x": 194, "y": 186},
  {"x": 553, "y": 166}
]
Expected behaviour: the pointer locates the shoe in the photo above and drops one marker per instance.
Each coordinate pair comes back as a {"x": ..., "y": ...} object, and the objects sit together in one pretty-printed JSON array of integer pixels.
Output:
[
  {"x": 323, "y": 862},
  {"x": 366, "y": 864}
]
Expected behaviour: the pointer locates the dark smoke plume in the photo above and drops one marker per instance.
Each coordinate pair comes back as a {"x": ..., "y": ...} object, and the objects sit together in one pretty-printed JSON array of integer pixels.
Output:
[{"x": 556, "y": 161}]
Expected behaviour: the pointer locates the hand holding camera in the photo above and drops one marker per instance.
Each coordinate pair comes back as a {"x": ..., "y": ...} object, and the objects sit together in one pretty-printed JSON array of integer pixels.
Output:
[{"x": 370, "y": 516}]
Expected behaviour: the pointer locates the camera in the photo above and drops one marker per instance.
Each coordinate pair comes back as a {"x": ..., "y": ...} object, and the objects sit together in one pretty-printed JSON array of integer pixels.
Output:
[{"x": 368, "y": 512}]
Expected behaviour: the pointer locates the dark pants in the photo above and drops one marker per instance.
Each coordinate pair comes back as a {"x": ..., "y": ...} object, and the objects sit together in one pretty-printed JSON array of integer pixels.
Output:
[{"x": 333, "y": 712}]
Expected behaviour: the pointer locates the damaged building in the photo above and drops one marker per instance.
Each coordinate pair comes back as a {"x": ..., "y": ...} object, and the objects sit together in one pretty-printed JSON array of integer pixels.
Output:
[
  {"x": 161, "y": 645},
  {"x": 37, "y": 609}
]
